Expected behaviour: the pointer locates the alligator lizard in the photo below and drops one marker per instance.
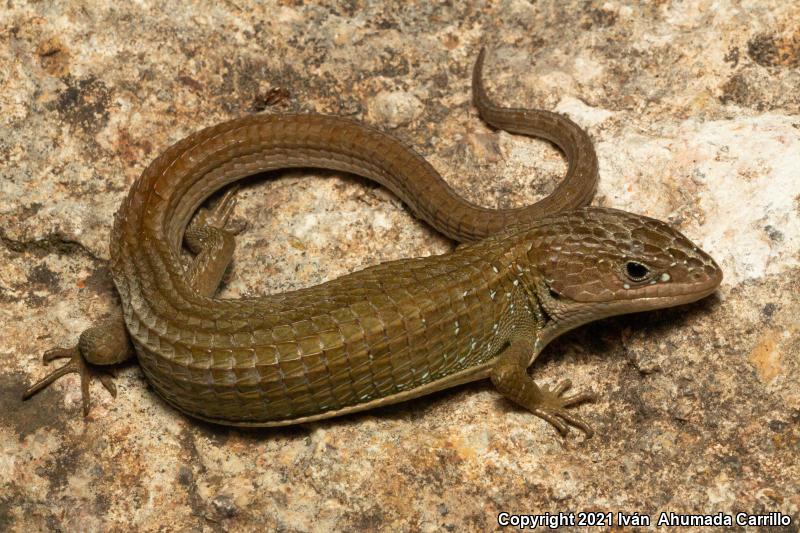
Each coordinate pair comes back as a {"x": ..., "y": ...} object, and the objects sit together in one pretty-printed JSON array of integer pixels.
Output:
[{"x": 388, "y": 333}]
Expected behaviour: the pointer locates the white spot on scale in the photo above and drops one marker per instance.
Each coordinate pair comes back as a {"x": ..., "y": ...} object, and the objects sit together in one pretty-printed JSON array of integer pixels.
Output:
[
  {"x": 665, "y": 277},
  {"x": 495, "y": 269},
  {"x": 626, "y": 286}
]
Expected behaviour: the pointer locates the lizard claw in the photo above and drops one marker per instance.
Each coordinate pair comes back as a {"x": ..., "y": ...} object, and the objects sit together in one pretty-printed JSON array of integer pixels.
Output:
[
  {"x": 77, "y": 365},
  {"x": 219, "y": 216},
  {"x": 552, "y": 408}
]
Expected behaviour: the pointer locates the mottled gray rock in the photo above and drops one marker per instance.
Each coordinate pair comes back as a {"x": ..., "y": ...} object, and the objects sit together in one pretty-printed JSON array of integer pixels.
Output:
[
  {"x": 393, "y": 109},
  {"x": 695, "y": 112}
]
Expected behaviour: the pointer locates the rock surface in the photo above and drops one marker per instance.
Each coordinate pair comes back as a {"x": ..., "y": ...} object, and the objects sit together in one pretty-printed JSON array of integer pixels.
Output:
[{"x": 695, "y": 112}]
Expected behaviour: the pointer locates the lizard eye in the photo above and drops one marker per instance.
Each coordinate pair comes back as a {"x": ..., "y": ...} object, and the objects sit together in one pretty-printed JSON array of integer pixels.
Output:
[{"x": 636, "y": 271}]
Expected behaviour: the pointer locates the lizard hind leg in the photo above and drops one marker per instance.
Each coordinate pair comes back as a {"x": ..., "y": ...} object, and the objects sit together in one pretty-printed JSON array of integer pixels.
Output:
[
  {"x": 510, "y": 377},
  {"x": 104, "y": 344},
  {"x": 210, "y": 236},
  {"x": 217, "y": 218}
]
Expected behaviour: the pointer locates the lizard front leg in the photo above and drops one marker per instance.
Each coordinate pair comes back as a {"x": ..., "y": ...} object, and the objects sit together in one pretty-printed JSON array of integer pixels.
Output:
[{"x": 510, "y": 377}]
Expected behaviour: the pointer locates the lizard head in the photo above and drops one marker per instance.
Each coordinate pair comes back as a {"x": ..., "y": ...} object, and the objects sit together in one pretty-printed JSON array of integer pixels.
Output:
[{"x": 595, "y": 262}]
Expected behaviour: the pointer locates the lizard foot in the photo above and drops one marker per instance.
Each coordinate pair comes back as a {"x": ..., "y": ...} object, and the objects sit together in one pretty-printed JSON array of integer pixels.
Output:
[
  {"x": 552, "y": 407},
  {"x": 217, "y": 217},
  {"x": 78, "y": 365},
  {"x": 220, "y": 215}
]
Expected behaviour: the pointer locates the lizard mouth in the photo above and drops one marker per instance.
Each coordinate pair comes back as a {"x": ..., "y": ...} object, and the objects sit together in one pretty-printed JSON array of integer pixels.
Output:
[
  {"x": 559, "y": 314},
  {"x": 669, "y": 296}
]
